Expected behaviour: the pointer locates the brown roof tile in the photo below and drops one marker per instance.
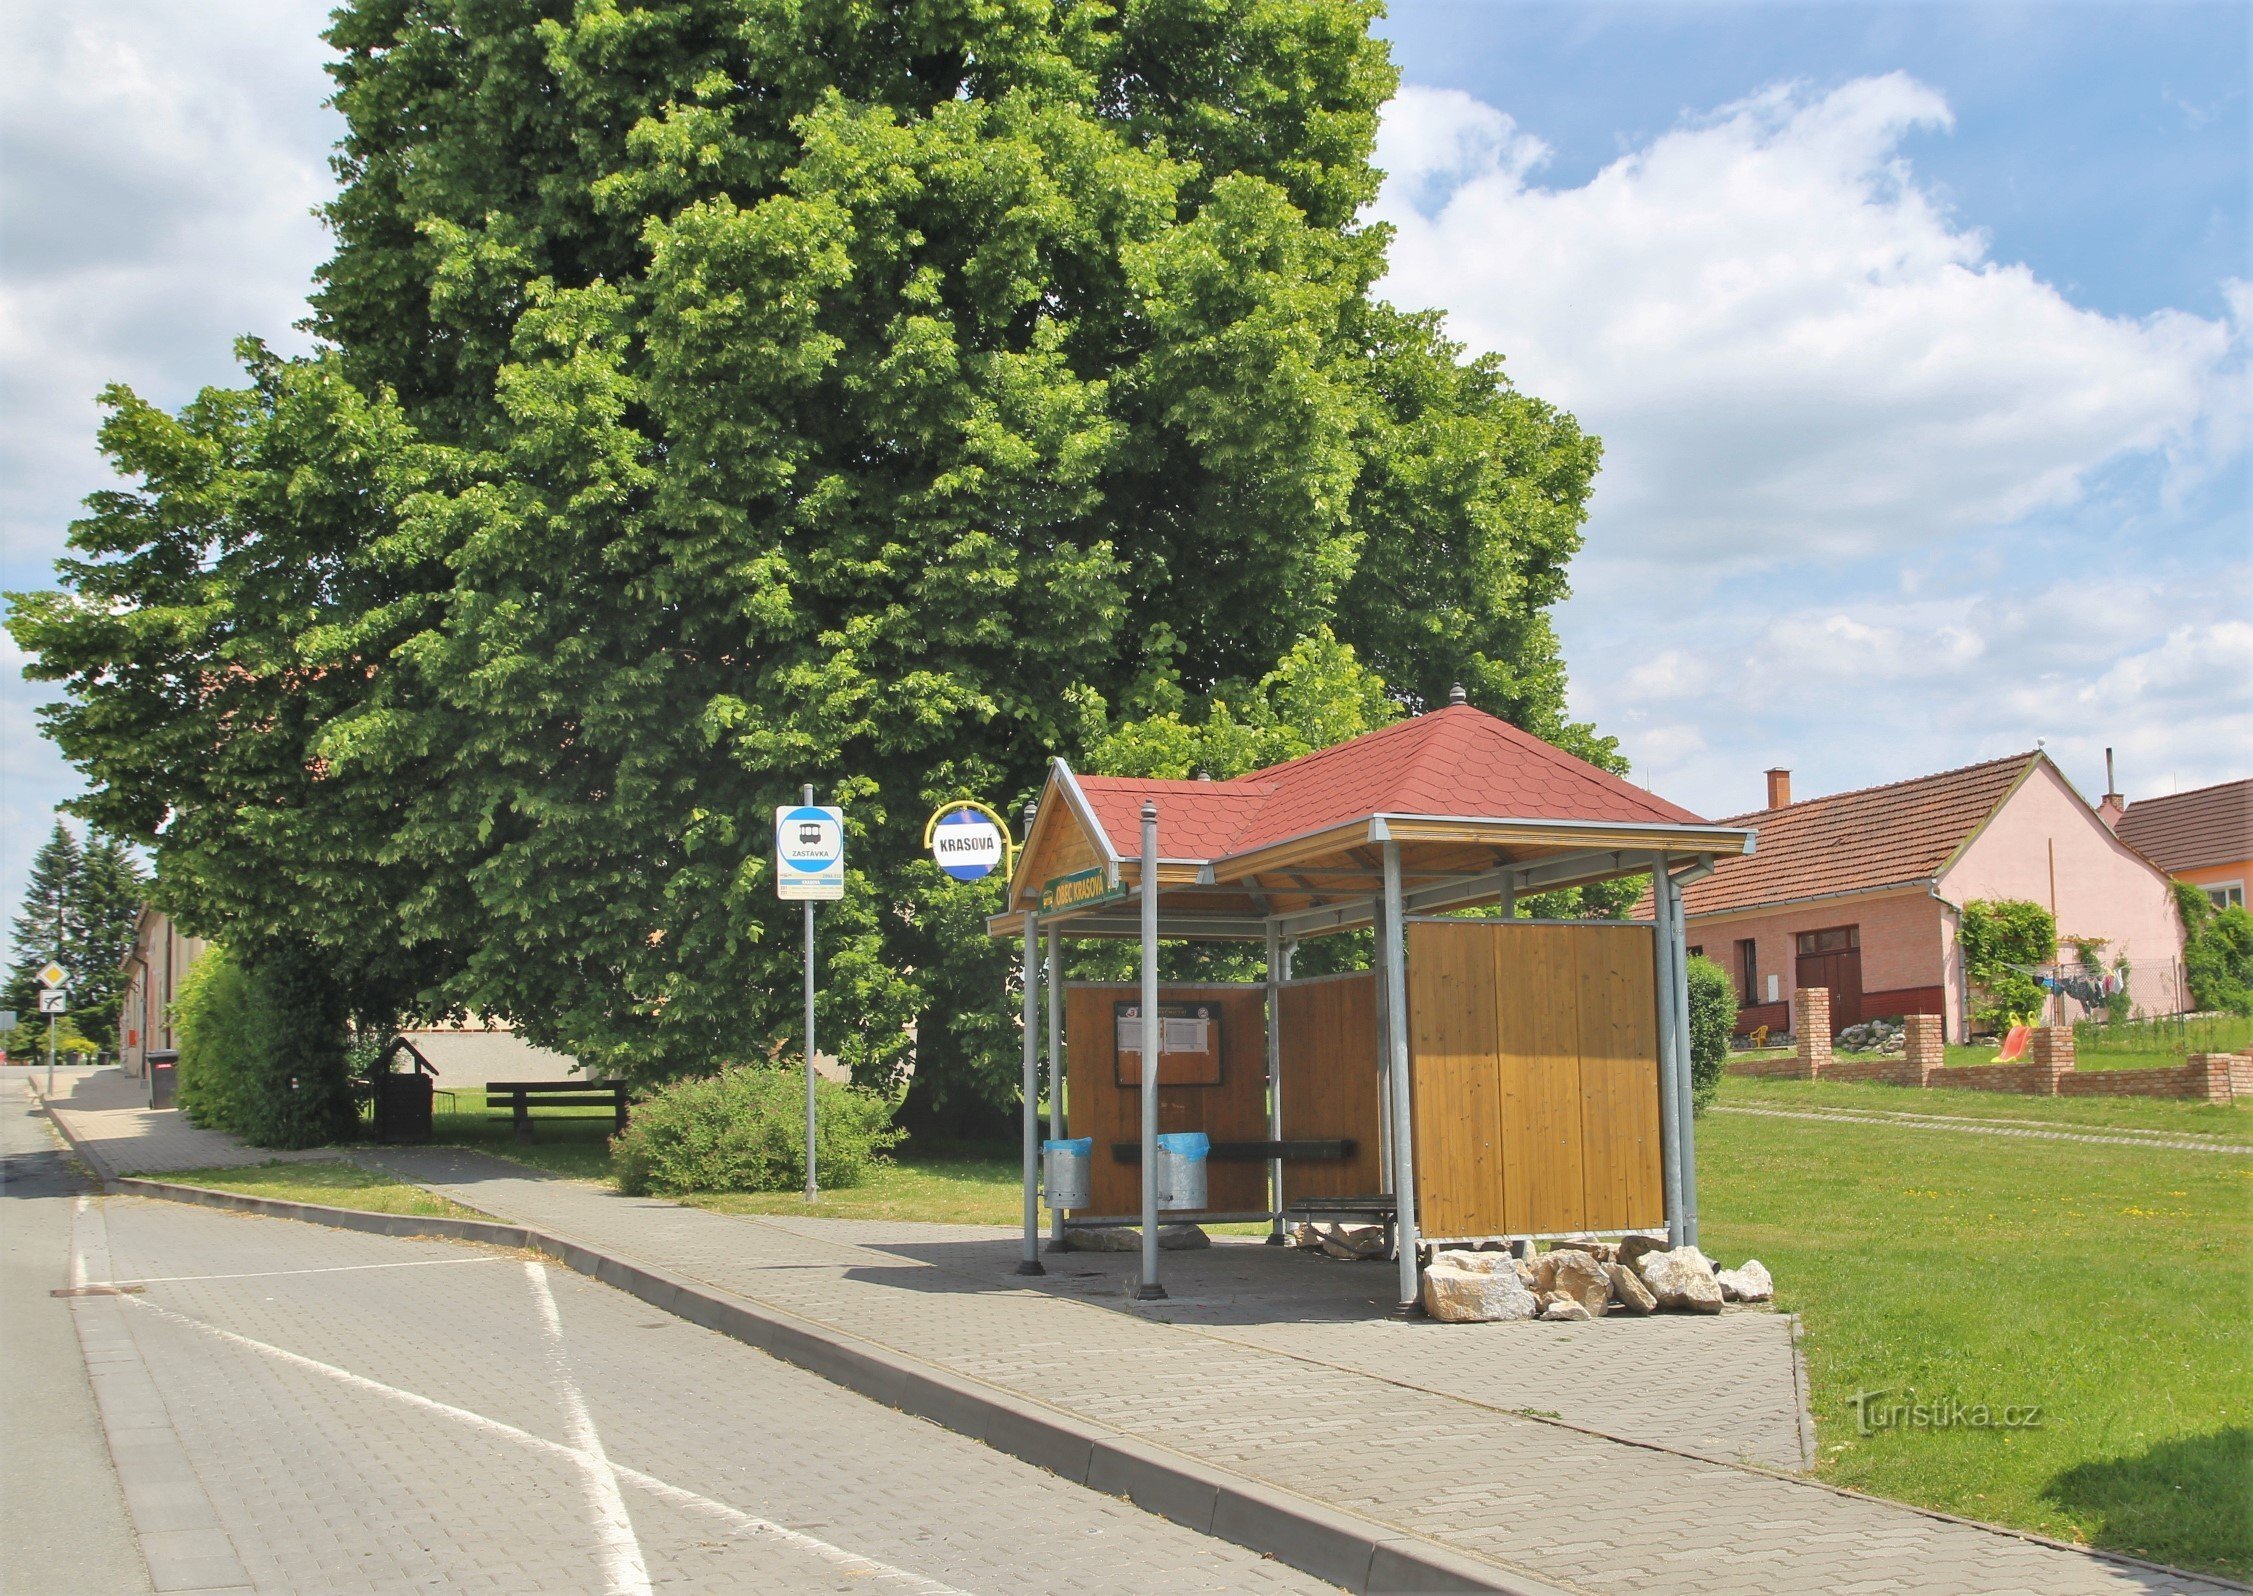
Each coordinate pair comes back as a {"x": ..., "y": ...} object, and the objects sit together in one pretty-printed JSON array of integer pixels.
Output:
[
  {"x": 2210, "y": 825},
  {"x": 1896, "y": 835},
  {"x": 1456, "y": 761}
]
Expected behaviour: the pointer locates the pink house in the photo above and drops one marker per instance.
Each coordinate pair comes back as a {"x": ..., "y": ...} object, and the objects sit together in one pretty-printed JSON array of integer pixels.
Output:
[{"x": 1861, "y": 892}]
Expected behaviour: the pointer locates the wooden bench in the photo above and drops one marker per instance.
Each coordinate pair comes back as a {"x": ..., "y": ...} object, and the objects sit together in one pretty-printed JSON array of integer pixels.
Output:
[{"x": 522, "y": 1096}]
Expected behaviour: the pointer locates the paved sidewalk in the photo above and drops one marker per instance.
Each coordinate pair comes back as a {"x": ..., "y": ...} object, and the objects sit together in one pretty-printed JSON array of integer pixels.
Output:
[
  {"x": 1573, "y": 1509},
  {"x": 107, "y": 1114}
]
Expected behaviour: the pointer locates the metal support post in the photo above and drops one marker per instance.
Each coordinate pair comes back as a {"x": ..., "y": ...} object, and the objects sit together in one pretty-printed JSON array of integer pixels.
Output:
[
  {"x": 1275, "y": 1077},
  {"x": 1396, "y": 1046},
  {"x": 1030, "y": 1263},
  {"x": 1055, "y": 1067},
  {"x": 1685, "y": 1116},
  {"x": 1149, "y": 1290},
  {"x": 813, "y": 1184},
  {"x": 50, "y": 1057},
  {"x": 1669, "y": 1099}
]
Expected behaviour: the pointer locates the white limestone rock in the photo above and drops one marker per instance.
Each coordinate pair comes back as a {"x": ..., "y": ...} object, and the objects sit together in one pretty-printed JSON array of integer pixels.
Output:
[
  {"x": 1628, "y": 1290},
  {"x": 1479, "y": 1263},
  {"x": 1567, "y": 1311},
  {"x": 1475, "y": 1296},
  {"x": 1682, "y": 1278},
  {"x": 1747, "y": 1284},
  {"x": 1581, "y": 1277}
]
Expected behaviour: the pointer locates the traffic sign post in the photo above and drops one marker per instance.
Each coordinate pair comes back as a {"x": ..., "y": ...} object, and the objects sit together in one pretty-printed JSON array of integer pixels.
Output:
[
  {"x": 809, "y": 853},
  {"x": 54, "y": 999}
]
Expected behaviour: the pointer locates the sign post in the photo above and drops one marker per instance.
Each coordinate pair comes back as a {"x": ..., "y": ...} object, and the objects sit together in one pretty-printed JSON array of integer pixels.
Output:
[
  {"x": 809, "y": 850},
  {"x": 54, "y": 999}
]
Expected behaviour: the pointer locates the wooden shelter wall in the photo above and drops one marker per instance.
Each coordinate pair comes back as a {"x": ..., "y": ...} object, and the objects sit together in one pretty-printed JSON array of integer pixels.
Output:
[
  {"x": 1233, "y": 1111},
  {"x": 1330, "y": 1073},
  {"x": 1535, "y": 1077}
]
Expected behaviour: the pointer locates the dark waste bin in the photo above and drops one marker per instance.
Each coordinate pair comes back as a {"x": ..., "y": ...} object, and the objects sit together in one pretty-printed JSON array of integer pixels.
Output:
[
  {"x": 164, "y": 1078},
  {"x": 402, "y": 1106}
]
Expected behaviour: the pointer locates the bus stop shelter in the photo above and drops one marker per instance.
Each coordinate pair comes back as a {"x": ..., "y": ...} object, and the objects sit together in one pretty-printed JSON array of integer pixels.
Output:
[{"x": 1490, "y": 1075}]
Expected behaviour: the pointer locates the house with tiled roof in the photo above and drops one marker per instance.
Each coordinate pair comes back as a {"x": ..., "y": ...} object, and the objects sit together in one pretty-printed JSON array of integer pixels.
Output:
[
  {"x": 1862, "y": 892},
  {"x": 2204, "y": 837}
]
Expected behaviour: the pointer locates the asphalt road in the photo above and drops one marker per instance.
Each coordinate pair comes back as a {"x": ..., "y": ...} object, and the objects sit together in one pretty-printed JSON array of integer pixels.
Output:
[
  {"x": 301, "y": 1409},
  {"x": 62, "y": 1519}
]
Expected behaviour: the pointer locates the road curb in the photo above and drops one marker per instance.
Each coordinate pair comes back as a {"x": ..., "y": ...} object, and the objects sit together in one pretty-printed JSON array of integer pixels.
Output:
[{"x": 1359, "y": 1554}]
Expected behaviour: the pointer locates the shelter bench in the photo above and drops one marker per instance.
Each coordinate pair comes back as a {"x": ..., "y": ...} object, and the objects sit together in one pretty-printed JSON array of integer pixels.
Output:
[
  {"x": 1333, "y": 1151},
  {"x": 1378, "y": 1207},
  {"x": 517, "y": 1099}
]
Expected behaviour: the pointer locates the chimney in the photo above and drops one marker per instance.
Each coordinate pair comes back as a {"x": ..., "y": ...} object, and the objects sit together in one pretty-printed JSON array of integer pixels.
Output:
[
  {"x": 2113, "y": 806},
  {"x": 1779, "y": 789}
]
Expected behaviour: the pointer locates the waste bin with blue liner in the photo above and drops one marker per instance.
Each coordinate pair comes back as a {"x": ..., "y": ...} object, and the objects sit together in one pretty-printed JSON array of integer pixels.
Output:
[
  {"x": 1065, "y": 1174},
  {"x": 1181, "y": 1169}
]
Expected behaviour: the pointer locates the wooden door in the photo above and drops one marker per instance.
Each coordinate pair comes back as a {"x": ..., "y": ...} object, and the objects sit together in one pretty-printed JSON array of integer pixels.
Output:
[{"x": 1832, "y": 958}]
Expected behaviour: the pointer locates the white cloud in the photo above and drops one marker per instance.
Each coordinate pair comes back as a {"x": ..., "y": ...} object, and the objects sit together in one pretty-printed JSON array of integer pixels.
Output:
[
  {"x": 1789, "y": 345},
  {"x": 162, "y": 164},
  {"x": 1858, "y": 692}
]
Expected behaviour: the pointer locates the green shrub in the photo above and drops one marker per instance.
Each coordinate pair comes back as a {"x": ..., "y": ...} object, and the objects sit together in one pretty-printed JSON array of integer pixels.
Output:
[
  {"x": 2000, "y": 936},
  {"x": 1713, "y": 1015},
  {"x": 2217, "y": 951},
  {"x": 745, "y": 1130},
  {"x": 263, "y": 1049},
  {"x": 28, "y": 1041}
]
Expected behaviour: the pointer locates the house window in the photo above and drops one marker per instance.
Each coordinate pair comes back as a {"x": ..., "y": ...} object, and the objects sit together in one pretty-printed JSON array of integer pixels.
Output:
[
  {"x": 1698, "y": 952},
  {"x": 1836, "y": 940},
  {"x": 1748, "y": 970},
  {"x": 2228, "y": 895}
]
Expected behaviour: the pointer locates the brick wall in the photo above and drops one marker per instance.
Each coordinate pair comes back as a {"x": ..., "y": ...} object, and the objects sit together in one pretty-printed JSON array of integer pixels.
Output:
[
  {"x": 2203, "y": 1077},
  {"x": 2046, "y": 1071}
]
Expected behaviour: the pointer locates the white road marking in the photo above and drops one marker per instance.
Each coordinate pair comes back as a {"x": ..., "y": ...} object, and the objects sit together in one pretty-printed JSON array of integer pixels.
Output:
[
  {"x": 328, "y": 1269},
  {"x": 84, "y": 1207},
  {"x": 622, "y": 1563},
  {"x": 743, "y": 1523}
]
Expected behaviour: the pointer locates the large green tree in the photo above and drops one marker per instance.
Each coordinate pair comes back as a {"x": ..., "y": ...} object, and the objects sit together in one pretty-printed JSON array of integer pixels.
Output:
[{"x": 727, "y": 394}]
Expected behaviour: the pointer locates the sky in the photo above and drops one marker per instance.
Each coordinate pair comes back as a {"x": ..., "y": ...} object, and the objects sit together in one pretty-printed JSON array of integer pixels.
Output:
[{"x": 1916, "y": 335}]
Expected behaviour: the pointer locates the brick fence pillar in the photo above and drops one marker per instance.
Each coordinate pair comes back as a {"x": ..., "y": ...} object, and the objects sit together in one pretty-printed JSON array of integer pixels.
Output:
[
  {"x": 1921, "y": 1038},
  {"x": 2049, "y": 1055},
  {"x": 2210, "y": 1077},
  {"x": 1811, "y": 1022}
]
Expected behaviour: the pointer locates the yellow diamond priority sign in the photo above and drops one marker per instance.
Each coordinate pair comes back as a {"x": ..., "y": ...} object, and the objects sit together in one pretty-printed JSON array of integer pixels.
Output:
[{"x": 53, "y": 974}]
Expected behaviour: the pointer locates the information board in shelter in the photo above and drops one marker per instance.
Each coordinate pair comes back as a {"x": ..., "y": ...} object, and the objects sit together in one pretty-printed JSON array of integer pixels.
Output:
[{"x": 1188, "y": 1044}]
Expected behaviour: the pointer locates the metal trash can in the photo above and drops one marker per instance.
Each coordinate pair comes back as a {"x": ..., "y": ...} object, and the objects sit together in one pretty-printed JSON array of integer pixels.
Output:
[
  {"x": 1064, "y": 1175},
  {"x": 1181, "y": 1169},
  {"x": 164, "y": 1078},
  {"x": 402, "y": 1106}
]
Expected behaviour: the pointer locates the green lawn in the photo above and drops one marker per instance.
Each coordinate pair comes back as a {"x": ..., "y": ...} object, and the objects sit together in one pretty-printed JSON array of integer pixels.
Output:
[
  {"x": 2108, "y": 1285},
  {"x": 2221, "y": 1121},
  {"x": 960, "y": 1190},
  {"x": 333, "y": 1184},
  {"x": 2145, "y": 1044}
]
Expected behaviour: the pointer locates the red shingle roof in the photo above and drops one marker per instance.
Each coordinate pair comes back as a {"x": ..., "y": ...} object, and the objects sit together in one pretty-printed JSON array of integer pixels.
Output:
[
  {"x": 1896, "y": 835},
  {"x": 1457, "y": 761},
  {"x": 2208, "y": 826}
]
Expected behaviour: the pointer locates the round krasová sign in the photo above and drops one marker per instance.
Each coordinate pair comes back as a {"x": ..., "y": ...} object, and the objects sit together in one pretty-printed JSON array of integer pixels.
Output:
[{"x": 967, "y": 844}]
